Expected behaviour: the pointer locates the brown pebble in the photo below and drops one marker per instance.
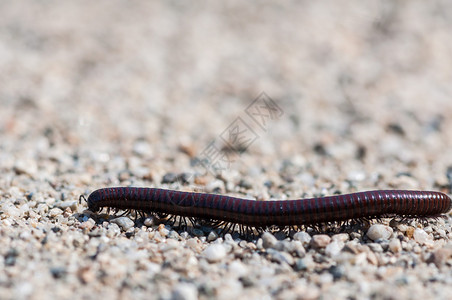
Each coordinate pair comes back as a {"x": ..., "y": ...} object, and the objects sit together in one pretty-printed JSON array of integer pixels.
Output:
[
  {"x": 410, "y": 232},
  {"x": 201, "y": 181},
  {"x": 188, "y": 149},
  {"x": 86, "y": 275}
]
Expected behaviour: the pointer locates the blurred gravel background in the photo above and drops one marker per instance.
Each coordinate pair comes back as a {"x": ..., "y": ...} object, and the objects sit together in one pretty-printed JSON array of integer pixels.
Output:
[{"x": 106, "y": 93}]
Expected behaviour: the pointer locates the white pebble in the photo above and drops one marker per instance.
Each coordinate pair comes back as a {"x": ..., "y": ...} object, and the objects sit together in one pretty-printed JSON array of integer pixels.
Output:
[
  {"x": 423, "y": 237},
  {"x": 24, "y": 209},
  {"x": 215, "y": 253},
  {"x": 303, "y": 237},
  {"x": 195, "y": 244},
  {"x": 169, "y": 245},
  {"x": 334, "y": 248},
  {"x": 10, "y": 210},
  {"x": 402, "y": 227},
  {"x": 123, "y": 222},
  {"x": 238, "y": 269},
  {"x": 185, "y": 291},
  {"x": 340, "y": 237},
  {"x": 27, "y": 166},
  {"x": 149, "y": 221},
  {"x": 142, "y": 148},
  {"x": 65, "y": 204},
  {"x": 25, "y": 235},
  {"x": 298, "y": 249},
  {"x": 325, "y": 278},
  {"x": 212, "y": 236},
  {"x": 15, "y": 192},
  {"x": 113, "y": 230},
  {"x": 55, "y": 212},
  {"x": 43, "y": 208},
  {"x": 361, "y": 259},
  {"x": 379, "y": 231},
  {"x": 356, "y": 176}
]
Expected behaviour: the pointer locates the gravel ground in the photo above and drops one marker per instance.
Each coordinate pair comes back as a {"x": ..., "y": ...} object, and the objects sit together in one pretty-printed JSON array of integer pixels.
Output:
[{"x": 108, "y": 93}]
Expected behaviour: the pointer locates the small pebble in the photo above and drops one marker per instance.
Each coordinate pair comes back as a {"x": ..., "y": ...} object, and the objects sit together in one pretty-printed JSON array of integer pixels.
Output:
[
  {"x": 268, "y": 240},
  {"x": 379, "y": 231},
  {"x": 440, "y": 256},
  {"x": 423, "y": 237},
  {"x": 246, "y": 184},
  {"x": 55, "y": 212},
  {"x": 334, "y": 248},
  {"x": 300, "y": 265},
  {"x": 303, "y": 237},
  {"x": 10, "y": 210},
  {"x": 395, "y": 246},
  {"x": 87, "y": 225},
  {"x": 294, "y": 247},
  {"x": 58, "y": 272},
  {"x": 280, "y": 257},
  {"x": 195, "y": 244},
  {"x": 355, "y": 235},
  {"x": 375, "y": 247},
  {"x": 320, "y": 240},
  {"x": 26, "y": 166},
  {"x": 215, "y": 253},
  {"x": 10, "y": 257},
  {"x": 113, "y": 230},
  {"x": 212, "y": 236},
  {"x": 149, "y": 221},
  {"x": 124, "y": 222},
  {"x": 184, "y": 291},
  {"x": 372, "y": 258},
  {"x": 169, "y": 178},
  {"x": 65, "y": 204},
  {"x": 215, "y": 186},
  {"x": 238, "y": 269},
  {"x": 341, "y": 237},
  {"x": 163, "y": 230},
  {"x": 306, "y": 263},
  {"x": 173, "y": 235},
  {"x": 142, "y": 148},
  {"x": 410, "y": 231},
  {"x": 337, "y": 272},
  {"x": 169, "y": 245},
  {"x": 402, "y": 227}
]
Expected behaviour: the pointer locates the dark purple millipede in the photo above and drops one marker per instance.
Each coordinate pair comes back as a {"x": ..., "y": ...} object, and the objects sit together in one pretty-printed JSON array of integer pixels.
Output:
[{"x": 221, "y": 210}]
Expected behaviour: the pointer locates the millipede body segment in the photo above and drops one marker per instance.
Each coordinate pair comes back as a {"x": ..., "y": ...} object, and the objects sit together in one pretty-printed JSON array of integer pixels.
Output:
[{"x": 282, "y": 213}]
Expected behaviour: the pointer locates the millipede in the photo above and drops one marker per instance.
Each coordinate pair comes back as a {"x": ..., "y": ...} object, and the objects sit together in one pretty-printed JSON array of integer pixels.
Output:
[{"x": 228, "y": 212}]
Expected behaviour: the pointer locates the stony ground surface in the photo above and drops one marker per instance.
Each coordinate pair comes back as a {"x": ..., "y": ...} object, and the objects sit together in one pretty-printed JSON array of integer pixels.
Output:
[{"x": 107, "y": 93}]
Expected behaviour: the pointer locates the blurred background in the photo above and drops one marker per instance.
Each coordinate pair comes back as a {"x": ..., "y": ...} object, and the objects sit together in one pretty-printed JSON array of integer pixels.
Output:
[{"x": 113, "y": 92}]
